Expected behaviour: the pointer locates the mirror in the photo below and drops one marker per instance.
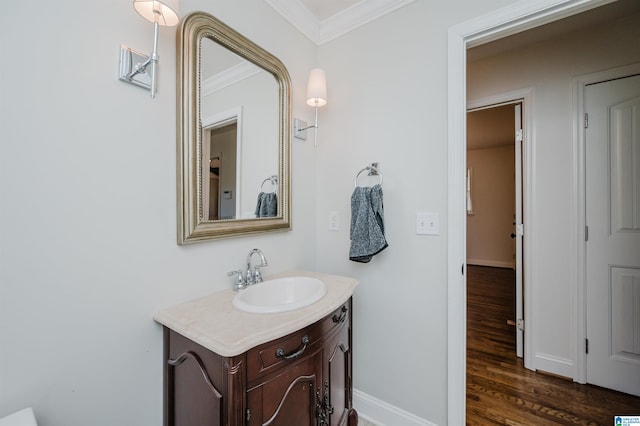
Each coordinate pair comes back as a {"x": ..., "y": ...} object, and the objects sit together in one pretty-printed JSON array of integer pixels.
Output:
[{"x": 233, "y": 134}]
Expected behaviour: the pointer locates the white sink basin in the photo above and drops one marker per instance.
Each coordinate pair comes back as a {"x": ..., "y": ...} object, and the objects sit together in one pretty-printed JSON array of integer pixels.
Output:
[{"x": 280, "y": 295}]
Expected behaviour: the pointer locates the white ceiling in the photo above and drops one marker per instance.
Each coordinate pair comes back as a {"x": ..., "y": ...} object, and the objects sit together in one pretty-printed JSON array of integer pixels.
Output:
[
  {"x": 324, "y": 20},
  {"x": 603, "y": 15},
  {"x": 325, "y": 9}
]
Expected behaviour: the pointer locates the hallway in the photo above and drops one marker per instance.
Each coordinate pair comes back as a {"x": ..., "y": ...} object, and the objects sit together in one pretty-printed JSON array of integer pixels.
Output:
[{"x": 500, "y": 390}]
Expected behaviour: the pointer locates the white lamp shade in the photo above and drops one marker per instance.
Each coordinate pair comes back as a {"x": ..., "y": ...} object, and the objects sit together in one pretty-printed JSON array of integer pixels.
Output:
[
  {"x": 167, "y": 12},
  {"x": 317, "y": 88}
]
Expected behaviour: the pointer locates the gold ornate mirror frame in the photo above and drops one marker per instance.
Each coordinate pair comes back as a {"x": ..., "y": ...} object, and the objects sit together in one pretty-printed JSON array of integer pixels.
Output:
[{"x": 192, "y": 226}]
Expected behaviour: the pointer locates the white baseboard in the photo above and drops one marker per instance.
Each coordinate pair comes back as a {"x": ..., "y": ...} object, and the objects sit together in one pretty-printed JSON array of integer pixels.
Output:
[
  {"x": 492, "y": 263},
  {"x": 384, "y": 414},
  {"x": 554, "y": 364}
]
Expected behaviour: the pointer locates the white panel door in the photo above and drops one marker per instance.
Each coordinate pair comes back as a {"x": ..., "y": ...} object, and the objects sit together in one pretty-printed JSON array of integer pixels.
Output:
[{"x": 612, "y": 139}]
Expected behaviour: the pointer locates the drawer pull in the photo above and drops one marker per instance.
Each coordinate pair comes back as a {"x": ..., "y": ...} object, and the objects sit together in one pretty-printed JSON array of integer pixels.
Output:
[
  {"x": 296, "y": 354},
  {"x": 341, "y": 318}
]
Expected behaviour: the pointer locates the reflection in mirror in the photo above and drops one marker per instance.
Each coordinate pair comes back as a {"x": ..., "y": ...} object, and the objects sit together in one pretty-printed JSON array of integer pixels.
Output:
[
  {"x": 233, "y": 134},
  {"x": 233, "y": 90},
  {"x": 219, "y": 185}
]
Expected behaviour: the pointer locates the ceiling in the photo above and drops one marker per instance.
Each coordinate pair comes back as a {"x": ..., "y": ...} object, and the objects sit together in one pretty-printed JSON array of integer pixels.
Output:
[
  {"x": 603, "y": 15},
  {"x": 324, "y": 20},
  {"x": 325, "y": 9}
]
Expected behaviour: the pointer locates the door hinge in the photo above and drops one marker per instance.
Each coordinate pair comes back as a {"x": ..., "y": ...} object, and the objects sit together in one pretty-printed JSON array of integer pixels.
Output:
[
  {"x": 520, "y": 324},
  {"x": 586, "y": 346},
  {"x": 586, "y": 233},
  {"x": 520, "y": 229},
  {"x": 324, "y": 409},
  {"x": 248, "y": 415},
  {"x": 586, "y": 120},
  {"x": 519, "y": 135}
]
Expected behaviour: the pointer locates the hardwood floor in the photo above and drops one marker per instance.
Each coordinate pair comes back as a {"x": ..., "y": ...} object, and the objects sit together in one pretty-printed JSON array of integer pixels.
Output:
[{"x": 500, "y": 390}]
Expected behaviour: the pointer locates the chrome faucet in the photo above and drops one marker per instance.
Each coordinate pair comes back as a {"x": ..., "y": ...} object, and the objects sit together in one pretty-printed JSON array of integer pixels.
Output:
[{"x": 251, "y": 275}]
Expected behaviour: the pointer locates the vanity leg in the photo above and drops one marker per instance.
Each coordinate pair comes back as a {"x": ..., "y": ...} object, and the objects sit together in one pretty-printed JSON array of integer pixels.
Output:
[
  {"x": 168, "y": 402},
  {"x": 353, "y": 418}
]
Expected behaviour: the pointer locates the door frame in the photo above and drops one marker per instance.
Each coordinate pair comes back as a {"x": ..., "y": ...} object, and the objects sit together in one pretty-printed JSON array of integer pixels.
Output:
[
  {"x": 494, "y": 25},
  {"x": 221, "y": 119},
  {"x": 525, "y": 97},
  {"x": 579, "y": 85}
]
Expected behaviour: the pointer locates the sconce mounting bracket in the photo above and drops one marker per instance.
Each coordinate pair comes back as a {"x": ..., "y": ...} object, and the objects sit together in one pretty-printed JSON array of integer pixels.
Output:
[
  {"x": 133, "y": 68},
  {"x": 300, "y": 129}
]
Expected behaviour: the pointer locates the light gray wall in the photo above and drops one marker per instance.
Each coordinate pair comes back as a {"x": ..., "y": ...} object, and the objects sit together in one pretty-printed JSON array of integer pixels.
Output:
[
  {"x": 489, "y": 228},
  {"x": 387, "y": 102},
  {"x": 88, "y": 246},
  {"x": 549, "y": 67}
]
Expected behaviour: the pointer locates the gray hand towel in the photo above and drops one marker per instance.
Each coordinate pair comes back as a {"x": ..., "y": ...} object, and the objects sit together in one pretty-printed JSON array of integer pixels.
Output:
[
  {"x": 267, "y": 205},
  {"x": 367, "y": 224}
]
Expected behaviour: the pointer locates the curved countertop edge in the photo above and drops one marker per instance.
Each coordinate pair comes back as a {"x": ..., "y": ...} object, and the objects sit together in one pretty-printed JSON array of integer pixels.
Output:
[{"x": 213, "y": 322}]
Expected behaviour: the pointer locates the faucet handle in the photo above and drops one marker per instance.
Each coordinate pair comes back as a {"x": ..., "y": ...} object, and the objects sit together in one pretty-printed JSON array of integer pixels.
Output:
[{"x": 240, "y": 281}]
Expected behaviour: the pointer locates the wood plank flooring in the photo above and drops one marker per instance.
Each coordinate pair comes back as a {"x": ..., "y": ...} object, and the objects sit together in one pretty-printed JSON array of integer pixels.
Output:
[{"x": 500, "y": 391}]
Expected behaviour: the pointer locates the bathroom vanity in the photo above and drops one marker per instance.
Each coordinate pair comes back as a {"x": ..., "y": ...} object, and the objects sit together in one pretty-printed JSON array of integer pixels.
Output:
[{"x": 224, "y": 366}]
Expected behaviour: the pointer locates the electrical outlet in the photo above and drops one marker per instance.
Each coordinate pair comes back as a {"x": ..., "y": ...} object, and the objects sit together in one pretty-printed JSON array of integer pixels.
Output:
[
  {"x": 334, "y": 221},
  {"x": 427, "y": 223}
]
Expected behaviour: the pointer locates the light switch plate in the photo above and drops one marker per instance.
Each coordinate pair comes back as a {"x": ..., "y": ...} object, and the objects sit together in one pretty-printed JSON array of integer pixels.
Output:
[
  {"x": 334, "y": 221},
  {"x": 427, "y": 223}
]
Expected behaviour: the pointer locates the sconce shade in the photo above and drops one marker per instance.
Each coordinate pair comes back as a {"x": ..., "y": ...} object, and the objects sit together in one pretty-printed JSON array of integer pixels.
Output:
[
  {"x": 165, "y": 12},
  {"x": 317, "y": 88}
]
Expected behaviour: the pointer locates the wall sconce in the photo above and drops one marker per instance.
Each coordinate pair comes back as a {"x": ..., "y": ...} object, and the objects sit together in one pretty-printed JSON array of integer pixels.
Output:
[
  {"x": 316, "y": 97},
  {"x": 134, "y": 65}
]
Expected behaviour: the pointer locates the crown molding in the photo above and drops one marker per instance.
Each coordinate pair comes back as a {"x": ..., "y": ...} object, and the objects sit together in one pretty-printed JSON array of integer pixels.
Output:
[
  {"x": 298, "y": 16},
  {"x": 228, "y": 77},
  {"x": 321, "y": 32}
]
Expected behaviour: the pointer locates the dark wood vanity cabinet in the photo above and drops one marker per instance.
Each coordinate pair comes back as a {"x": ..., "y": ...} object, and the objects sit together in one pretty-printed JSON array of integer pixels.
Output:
[{"x": 300, "y": 379}]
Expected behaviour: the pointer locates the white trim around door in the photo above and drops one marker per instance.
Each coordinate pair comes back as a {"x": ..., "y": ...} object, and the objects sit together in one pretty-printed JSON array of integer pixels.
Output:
[{"x": 498, "y": 24}]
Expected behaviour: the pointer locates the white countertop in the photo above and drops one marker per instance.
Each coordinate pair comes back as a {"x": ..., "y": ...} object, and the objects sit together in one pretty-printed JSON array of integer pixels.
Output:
[{"x": 213, "y": 322}]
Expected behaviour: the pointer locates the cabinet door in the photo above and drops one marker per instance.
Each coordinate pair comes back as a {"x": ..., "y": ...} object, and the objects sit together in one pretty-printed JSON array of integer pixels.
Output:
[
  {"x": 191, "y": 398},
  {"x": 288, "y": 397},
  {"x": 337, "y": 401}
]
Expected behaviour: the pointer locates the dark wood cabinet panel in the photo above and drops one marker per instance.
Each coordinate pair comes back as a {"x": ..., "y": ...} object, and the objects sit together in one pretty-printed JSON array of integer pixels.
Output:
[
  {"x": 288, "y": 394},
  {"x": 339, "y": 377},
  {"x": 303, "y": 378},
  {"x": 202, "y": 404}
]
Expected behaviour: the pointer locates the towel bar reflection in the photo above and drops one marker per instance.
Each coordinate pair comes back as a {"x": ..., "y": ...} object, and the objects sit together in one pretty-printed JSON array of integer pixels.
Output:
[
  {"x": 373, "y": 171},
  {"x": 273, "y": 180}
]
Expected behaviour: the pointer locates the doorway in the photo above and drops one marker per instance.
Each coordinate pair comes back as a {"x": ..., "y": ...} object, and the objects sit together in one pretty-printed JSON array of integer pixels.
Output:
[
  {"x": 221, "y": 166},
  {"x": 496, "y": 25},
  {"x": 495, "y": 202}
]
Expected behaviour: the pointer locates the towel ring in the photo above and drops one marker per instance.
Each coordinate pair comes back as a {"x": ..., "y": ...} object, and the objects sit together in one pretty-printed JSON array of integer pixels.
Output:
[
  {"x": 373, "y": 171},
  {"x": 274, "y": 181}
]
